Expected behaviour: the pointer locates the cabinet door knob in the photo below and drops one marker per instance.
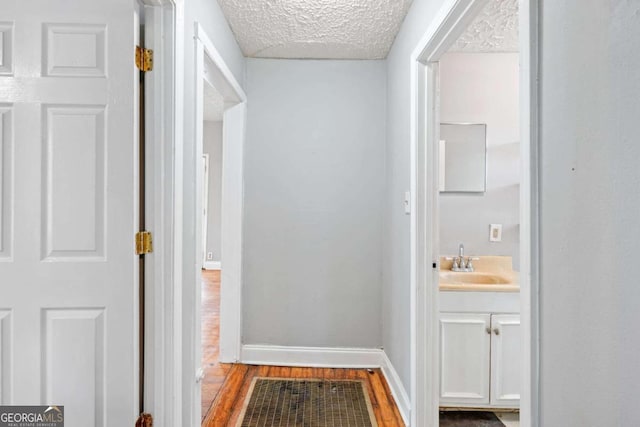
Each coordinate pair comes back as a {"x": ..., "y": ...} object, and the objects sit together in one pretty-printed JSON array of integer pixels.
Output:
[
  {"x": 496, "y": 331},
  {"x": 488, "y": 330}
]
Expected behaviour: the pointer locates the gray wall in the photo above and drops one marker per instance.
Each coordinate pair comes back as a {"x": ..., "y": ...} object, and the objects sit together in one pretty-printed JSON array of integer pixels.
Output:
[
  {"x": 483, "y": 88},
  {"x": 590, "y": 207},
  {"x": 314, "y": 165},
  {"x": 212, "y": 138},
  {"x": 396, "y": 255}
]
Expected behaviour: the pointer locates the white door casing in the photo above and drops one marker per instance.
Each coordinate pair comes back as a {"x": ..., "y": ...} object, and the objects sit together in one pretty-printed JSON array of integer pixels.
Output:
[
  {"x": 205, "y": 206},
  {"x": 68, "y": 300},
  {"x": 506, "y": 359},
  {"x": 210, "y": 65},
  {"x": 452, "y": 18},
  {"x": 465, "y": 345},
  {"x": 164, "y": 97}
]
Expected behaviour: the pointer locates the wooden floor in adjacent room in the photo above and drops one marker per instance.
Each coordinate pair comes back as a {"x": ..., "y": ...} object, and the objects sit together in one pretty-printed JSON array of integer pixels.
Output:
[
  {"x": 228, "y": 405},
  {"x": 214, "y": 372}
]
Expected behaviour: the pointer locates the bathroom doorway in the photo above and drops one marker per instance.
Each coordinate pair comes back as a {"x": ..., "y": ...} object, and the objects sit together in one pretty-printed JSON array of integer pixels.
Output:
[
  {"x": 479, "y": 225},
  {"x": 474, "y": 226}
]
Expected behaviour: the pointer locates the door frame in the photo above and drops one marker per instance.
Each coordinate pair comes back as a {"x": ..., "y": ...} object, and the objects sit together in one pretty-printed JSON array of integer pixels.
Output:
[
  {"x": 164, "y": 123},
  {"x": 170, "y": 370},
  {"x": 233, "y": 125},
  {"x": 451, "y": 20},
  {"x": 210, "y": 64},
  {"x": 205, "y": 207}
]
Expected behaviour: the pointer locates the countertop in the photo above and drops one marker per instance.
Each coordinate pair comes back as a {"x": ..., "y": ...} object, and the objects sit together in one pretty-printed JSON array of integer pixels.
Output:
[{"x": 490, "y": 265}]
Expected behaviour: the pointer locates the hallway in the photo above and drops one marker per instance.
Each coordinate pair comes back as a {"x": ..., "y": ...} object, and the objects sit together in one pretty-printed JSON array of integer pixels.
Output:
[
  {"x": 214, "y": 372},
  {"x": 222, "y": 399}
]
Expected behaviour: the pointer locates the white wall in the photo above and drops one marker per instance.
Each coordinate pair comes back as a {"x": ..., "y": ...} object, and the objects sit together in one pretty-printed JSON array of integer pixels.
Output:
[
  {"x": 313, "y": 203},
  {"x": 483, "y": 88},
  {"x": 212, "y": 138},
  {"x": 396, "y": 255},
  {"x": 590, "y": 207}
]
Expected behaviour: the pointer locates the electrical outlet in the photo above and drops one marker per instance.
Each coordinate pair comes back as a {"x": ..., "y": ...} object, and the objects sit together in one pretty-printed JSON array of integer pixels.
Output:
[
  {"x": 495, "y": 233},
  {"x": 209, "y": 256}
]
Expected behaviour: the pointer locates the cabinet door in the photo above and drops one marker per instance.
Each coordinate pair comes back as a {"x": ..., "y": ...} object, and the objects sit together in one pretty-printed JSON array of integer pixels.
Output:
[
  {"x": 506, "y": 369},
  {"x": 465, "y": 343}
]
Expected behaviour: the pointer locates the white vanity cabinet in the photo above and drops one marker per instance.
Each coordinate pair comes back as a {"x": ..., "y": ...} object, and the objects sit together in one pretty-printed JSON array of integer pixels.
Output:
[{"x": 480, "y": 360}]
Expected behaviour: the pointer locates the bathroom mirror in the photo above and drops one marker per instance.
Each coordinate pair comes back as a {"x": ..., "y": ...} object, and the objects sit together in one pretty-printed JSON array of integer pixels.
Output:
[{"x": 463, "y": 158}]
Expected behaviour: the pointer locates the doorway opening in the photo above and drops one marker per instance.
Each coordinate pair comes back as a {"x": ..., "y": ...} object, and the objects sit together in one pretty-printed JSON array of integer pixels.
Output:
[
  {"x": 214, "y": 372},
  {"x": 453, "y": 368},
  {"x": 212, "y": 333},
  {"x": 478, "y": 211}
]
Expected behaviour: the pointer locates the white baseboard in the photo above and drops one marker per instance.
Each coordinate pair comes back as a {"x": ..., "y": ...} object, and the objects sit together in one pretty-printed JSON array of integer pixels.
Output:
[
  {"x": 312, "y": 357},
  {"x": 212, "y": 265},
  {"x": 397, "y": 388},
  {"x": 323, "y": 357}
]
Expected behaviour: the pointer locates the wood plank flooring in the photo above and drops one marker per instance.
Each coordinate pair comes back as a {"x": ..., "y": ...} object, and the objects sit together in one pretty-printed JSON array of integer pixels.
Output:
[
  {"x": 214, "y": 372},
  {"x": 227, "y": 407}
]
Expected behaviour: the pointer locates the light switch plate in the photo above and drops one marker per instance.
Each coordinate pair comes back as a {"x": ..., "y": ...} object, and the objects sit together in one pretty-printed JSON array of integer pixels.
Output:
[
  {"x": 495, "y": 233},
  {"x": 407, "y": 202}
]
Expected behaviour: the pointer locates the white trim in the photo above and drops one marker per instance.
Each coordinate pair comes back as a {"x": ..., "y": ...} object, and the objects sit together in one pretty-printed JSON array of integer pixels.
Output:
[
  {"x": 311, "y": 357},
  {"x": 205, "y": 207},
  {"x": 225, "y": 82},
  {"x": 529, "y": 211},
  {"x": 231, "y": 232},
  {"x": 207, "y": 57},
  {"x": 397, "y": 388},
  {"x": 163, "y": 365},
  {"x": 449, "y": 22},
  {"x": 212, "y": 265},
  {"x": 232, "y": 188}
]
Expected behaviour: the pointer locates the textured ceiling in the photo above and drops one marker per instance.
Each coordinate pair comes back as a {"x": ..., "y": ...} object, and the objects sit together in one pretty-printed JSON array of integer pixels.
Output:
[
  {"x": 495, "y": 29},
  {"x": 213, "y": 104},
  {"x": 337, "y": 29}
]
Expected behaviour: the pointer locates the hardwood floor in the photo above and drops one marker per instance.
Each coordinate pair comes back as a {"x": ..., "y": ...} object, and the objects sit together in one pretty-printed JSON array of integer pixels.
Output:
[
  {"x": 214, "y": 372},
  {"x": 228, "y": 405}
]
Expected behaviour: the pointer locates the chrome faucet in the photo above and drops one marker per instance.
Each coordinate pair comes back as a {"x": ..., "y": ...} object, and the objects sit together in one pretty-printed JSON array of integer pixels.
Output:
[{"x": 459, "y": 262}]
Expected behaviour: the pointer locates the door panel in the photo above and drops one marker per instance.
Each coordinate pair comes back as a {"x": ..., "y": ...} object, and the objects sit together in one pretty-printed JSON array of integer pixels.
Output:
[
  {"x": 73, "y": 353},
  {"x": 5, "y": 354},
  {"x": 74, "y": 183},
  {"x": 506, "y": 357},
  {"x": 464, "y": 358},
  {"x": 6, "y": 48},
  {"x": 75, "y": 50},
  {"x": 6, "y": 181},
  {"x": 68, "y": 208}
]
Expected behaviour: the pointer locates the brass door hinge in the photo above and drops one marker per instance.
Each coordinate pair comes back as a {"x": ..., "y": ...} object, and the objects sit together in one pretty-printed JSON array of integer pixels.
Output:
[
  {"x": 144, "y": 243},
  {"x": 144, "y": 420},
  {"x": 144, "y": 59}
]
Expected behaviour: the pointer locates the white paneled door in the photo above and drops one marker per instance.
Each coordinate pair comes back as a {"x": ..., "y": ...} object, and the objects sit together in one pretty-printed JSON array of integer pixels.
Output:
[{"x": 68, "y": 208}]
